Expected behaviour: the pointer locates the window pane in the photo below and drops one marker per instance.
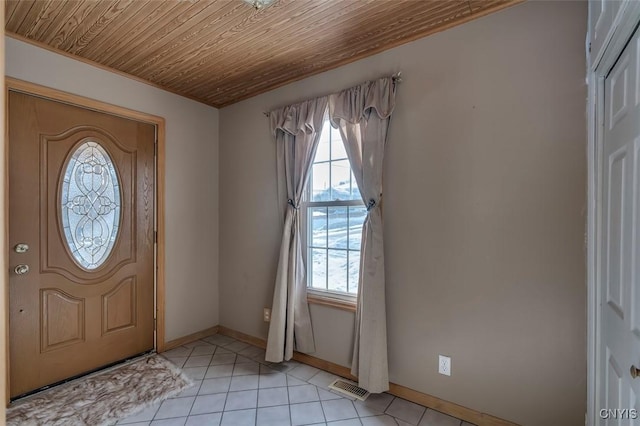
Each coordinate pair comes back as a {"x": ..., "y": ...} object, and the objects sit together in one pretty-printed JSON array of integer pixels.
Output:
[
  {"x": 340, "y": 180},
  {"x": 318, "y": 269},
  {"x": 90, "y": 205},
  {"x": 337, "y": 147},
  {"x": 354, "y": 271},
  {"x": 337, "y": 279},
  {"x": 322, "y": 154},
  {"x": 338, "y": 221},
  {"x": 320, "y": 190},
  {"x": 356, "y": 220},
  {"x": 318, "y": 216},
  {"x": 355, "y": 192}
]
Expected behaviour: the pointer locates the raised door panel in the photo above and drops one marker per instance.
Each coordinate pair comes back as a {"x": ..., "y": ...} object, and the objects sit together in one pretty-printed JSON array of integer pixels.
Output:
[
  {"x": 616, "y": 204},
  {"x": 62, "y": 319},
  {"x": 119, "y": 306}
]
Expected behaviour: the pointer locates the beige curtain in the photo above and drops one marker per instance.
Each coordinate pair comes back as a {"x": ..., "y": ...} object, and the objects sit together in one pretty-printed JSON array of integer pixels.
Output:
[
  {"x": 296, "y": 129},
  {"x": 362, "y": 114}
]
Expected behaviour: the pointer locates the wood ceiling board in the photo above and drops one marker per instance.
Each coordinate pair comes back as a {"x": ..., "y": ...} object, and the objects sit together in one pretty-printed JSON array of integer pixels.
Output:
[
  {"x": 33, "y": 15},
  {"x": 205, "y": 62},
  {"x": 19, "y": 13},
  {"x": 359, "y": 45},
  {"x": 10, "y": 7},
  {"x": 480, "y": 5},
  {"x": 73, "y": 22},
  {"x": 106, "y": 39},
  {"x": 178, "y": 28},
  {"x": 321, "y": 38},
  {"x": 223, "y": 51},
  {"x": 187, "y": 43},
  {"x": 137, "y": 32},
  {"x": 226, "y": 44},
  {"x": 251, "y": 92},
  {"x": 56, "y": 24},
  {"x": 84, "y": 25},
  {"x": 94, "y": 24},
  {"x": 37, "y": 28},
  {"x": 244, "y": 53}
]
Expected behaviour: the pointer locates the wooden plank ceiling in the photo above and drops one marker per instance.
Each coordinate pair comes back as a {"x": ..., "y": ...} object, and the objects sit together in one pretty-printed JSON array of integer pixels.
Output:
[{"x": 222, "y": 51}]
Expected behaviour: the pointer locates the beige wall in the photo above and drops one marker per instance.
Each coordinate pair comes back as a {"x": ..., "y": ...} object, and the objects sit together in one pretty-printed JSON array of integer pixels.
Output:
[
  {"x": 485, "y": 187},
  {"x": 191, "y": 175}
]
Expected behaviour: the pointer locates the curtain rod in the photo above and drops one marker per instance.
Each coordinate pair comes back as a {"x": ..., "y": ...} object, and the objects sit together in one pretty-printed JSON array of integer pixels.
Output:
[{"x": 396, "y": 78}]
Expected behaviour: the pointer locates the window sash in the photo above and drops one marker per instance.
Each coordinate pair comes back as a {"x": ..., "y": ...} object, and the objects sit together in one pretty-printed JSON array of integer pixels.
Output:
[
  {"x": 307, "y": 236},
  {"x": 308, "y": 247},
  {"x": 337, "y": 203}
]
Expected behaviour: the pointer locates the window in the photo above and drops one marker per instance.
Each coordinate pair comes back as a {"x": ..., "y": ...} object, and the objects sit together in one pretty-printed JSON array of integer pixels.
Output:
[
  {"x": 90, "y": 205},
  {"x": 334, "y": 215}
]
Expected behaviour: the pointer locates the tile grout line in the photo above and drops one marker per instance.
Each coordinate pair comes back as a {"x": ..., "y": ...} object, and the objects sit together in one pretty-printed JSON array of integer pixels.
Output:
[
  {"x": 422, "y": 416},
  {"x": 324, "y": 415},
  {"x": 306, "y": 382},
  {"x": 286, "y": 381}
]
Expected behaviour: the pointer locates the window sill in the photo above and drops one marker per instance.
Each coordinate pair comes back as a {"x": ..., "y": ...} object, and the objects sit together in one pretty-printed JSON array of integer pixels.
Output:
[{"x": 333, "y": 302}]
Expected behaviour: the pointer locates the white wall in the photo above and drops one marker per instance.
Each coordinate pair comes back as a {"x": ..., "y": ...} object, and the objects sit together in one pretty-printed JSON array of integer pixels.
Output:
[
  {"x": 484, "y": 183},
  {"x": 191, "y": 174}
]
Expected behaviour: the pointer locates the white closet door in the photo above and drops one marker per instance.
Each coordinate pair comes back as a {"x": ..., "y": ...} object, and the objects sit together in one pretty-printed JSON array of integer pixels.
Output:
[{"x": 619, "y": 246}]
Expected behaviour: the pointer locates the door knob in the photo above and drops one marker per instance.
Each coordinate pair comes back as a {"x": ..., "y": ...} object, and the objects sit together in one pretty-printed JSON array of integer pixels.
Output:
[
  {"x": 21, "y": 269},
  {"x": 634, "y": 371}
]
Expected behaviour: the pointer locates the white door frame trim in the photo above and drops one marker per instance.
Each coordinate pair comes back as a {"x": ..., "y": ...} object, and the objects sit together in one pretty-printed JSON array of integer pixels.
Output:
[{"x": 596, "y": 73}]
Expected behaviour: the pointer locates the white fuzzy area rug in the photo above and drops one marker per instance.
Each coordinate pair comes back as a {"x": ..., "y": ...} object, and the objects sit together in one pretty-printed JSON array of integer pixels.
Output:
[{"x": 104, "y": 397}]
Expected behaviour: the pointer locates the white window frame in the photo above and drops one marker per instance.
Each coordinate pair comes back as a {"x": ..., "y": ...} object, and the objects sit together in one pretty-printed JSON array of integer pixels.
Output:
[{"x": 305, "y": 206}]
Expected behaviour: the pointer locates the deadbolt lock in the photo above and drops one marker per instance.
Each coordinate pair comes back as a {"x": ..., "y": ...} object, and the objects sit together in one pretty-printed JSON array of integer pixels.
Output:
[{"x": 21, "y": 248}]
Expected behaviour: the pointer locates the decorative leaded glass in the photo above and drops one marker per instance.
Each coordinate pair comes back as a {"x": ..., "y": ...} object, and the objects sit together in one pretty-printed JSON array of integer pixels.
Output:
[{"x": 90, "y": 205}]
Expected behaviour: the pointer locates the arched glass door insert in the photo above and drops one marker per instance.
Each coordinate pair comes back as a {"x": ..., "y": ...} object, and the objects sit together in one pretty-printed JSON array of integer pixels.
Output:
[{"x": 90, "y": 205}]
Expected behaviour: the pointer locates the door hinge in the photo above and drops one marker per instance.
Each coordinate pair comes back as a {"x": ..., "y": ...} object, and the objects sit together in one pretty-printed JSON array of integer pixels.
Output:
[
  {"x": 155, "y": 148},
  {"x": 155, "y": 237},
  {"x": 155, "y": 324},
  {"x": 589, "y": 47}
]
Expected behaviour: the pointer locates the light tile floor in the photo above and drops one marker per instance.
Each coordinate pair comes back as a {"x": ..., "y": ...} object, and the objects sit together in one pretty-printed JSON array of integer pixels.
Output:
[{"x": 235, "y": 386}]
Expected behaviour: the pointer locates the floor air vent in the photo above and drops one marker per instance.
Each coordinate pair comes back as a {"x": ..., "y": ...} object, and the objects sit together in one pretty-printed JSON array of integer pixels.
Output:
[{"x": 349, "y": 389}]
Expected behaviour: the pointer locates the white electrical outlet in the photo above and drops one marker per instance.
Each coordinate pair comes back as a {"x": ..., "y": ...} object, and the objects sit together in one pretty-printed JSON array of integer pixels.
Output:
[
  {"x": 444, "y": 365},
  {"x": 266, "y": 315}
]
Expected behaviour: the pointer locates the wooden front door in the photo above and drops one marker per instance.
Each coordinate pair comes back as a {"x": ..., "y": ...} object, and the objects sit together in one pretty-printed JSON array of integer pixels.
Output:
[{"x": 81, "y": 240}]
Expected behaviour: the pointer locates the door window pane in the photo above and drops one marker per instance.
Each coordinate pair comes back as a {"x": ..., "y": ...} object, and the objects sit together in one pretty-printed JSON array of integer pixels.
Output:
[{"x": 90, "y": 205}]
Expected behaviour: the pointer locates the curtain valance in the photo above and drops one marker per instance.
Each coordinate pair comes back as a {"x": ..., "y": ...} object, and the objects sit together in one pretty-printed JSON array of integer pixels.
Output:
[
  {"x": 298, "y": 118},
  {"x": 357, "y": 102}
]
